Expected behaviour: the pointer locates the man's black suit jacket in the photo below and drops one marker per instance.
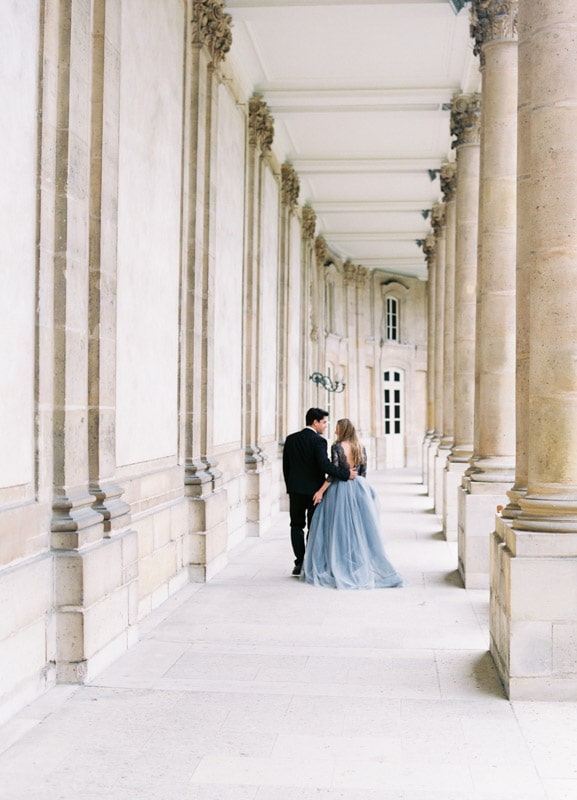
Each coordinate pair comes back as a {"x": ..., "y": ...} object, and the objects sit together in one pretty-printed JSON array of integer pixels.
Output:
[{"x": 305, "y": 463}]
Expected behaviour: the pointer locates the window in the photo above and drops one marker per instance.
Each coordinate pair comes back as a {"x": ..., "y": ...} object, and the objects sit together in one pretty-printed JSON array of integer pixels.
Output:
[
  {"x": 392, "y": 319},
  {"x": 392, "y": 401},
  {"x": 393, "y": 294}
]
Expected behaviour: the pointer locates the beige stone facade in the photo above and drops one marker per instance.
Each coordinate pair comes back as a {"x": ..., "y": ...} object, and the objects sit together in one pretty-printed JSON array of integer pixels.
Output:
[
  {"x": 173, "y": 301},
  {"x": 178, "y": 310}
]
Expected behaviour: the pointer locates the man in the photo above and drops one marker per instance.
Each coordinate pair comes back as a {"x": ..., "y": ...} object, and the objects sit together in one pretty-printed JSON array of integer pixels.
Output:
[{"x": 305, "y": 464}]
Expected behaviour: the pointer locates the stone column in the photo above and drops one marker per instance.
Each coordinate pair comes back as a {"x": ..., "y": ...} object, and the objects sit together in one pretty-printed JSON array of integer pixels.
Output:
[
  {"x": 429, "y": 249},
  {"x": 449, "y": 500},
  {"x": 210, "y": 40},
  {"x": 465, "y": 126},
  {"x": 491, "y": 471},
  {"x": 260, "y": 137},
  {"x": 438, "y": 223},
  {"x": 533, "y": 639}
]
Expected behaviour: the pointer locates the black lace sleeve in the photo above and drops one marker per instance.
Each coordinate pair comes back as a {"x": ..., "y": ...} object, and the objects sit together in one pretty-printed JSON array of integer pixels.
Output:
[{"x": 338, "y": 458}]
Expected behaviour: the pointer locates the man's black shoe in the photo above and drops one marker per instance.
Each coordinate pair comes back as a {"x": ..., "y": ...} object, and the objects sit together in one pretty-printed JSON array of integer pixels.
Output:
[{"x": 297, "y": 570}]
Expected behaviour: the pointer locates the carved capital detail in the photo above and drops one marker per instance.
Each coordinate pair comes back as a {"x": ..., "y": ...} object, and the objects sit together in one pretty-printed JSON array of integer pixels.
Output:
[
  {"x": 437, "y": 217},
  {"x": 449, "y": 181},
  {"x": 466, "y": 119},
  {"x": 362, "y": 275},
  {"x": 211, "y": 28},
  {"x": 260, "y": 124},
  {"x": 430, "y": 248},
  {"x": 309, "y": 223},
  {"x": 290, "y": 186},
  {"x": 350, "y": 271},
  {"x": 321, "y": 250},
  {"x": 493, "y": 20}
]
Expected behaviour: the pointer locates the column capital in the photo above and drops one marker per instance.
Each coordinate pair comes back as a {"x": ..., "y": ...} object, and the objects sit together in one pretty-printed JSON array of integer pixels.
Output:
[
  {"x": 321, "y": 250},
  {"x": 309, "y": 222},
  {"x": 260, "y": 124},
  {"x": 362, "y": 275},
  {"x": 449, "y": 181},
  {"x": 211, "y": 28},
  {"x": 350, "y": 271},
  {"x": 466, "y": 119},
  {"x": 290, "y": 186},
  {"x": 493, "y": 20},
  {"x": 437, "y": 217},
  {"x": 430, "y": 248}
]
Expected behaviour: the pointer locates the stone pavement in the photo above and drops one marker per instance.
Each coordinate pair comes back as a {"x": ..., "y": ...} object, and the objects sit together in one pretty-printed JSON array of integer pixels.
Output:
[{"x": 258, "y": 687}]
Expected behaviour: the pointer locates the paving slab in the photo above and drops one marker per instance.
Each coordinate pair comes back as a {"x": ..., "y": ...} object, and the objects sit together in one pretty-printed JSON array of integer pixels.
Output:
[{"x": 256, "y": 686}]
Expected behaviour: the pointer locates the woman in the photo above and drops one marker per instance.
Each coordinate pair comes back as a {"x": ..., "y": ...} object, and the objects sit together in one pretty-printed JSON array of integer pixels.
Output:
[{"x": 344, "y": 547}]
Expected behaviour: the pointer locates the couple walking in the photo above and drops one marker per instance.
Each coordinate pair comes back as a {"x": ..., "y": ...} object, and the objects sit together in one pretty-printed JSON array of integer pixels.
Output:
[{"x": 344, "y": 547}]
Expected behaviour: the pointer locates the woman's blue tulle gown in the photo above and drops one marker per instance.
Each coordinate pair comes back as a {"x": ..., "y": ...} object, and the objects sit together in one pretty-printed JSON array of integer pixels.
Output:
[{"x": 344, "y": 548}]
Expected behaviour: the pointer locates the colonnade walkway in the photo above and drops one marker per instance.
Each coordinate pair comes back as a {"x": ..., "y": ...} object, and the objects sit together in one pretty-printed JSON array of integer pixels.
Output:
[{"x": 256, "y": 686}]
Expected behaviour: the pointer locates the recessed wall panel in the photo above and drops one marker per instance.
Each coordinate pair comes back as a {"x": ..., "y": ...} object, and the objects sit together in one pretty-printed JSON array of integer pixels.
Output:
[
  {"x": 150, "y": 152},
  {"x": 19, "y": 34},
  {"x": 269, "y": 307},
  {"x": 228, "y": 285}
]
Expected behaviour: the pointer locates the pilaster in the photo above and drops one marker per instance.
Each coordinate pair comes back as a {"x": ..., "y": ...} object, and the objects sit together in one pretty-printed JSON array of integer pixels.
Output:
[
  {"x": 257, "y": 466},
  {"x": 288, "y": 313},
  {"x": 309, "y": 321},
  {"x": 95, "y": 616},
  {"x": 209, "y": 39}
]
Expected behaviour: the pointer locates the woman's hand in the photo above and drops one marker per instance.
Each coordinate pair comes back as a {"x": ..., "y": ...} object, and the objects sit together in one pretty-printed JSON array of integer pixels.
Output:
[{"x": 317, "y": 497}]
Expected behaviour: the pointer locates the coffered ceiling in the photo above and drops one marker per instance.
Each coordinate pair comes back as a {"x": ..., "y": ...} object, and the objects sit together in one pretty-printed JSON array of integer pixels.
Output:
[{"x": 359, "y": 92}]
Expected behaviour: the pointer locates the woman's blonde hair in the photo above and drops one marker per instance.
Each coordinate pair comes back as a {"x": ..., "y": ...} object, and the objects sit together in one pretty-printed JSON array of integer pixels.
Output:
[{"x": 345, "y": 431}]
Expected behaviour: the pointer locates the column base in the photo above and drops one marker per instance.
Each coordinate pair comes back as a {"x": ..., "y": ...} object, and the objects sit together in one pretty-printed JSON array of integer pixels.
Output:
[
  {"x": 440, "y": 463},
  {"x": 258, "y": 501},
  {"x": 432, "y": 459},
  {"x": 477, "y": 505},
  {"x": 425, "y": 459},
  {"x": 453, "y": 476},
  {"x": 96, "y": 606},
  {"x": 208, "y": 538},
  {"x": 534, "y": 613}
]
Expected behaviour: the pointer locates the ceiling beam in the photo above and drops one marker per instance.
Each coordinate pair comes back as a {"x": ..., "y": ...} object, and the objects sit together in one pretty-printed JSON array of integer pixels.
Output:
[
  {"x": 360, "y": 166},
  {"x": 372, "y": 236},
  {"x": 291, "y": 101},
  {"x": 313, "y": 3},
  {"x": 368, "y": 206}
]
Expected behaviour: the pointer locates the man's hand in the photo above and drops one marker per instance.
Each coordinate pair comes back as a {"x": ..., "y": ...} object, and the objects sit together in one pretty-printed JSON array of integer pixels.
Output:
[{"x": 352, "y": 474}]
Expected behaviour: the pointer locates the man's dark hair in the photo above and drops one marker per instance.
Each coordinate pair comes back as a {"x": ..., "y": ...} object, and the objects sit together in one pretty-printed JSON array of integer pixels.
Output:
[{"x": 315, "y": 414}]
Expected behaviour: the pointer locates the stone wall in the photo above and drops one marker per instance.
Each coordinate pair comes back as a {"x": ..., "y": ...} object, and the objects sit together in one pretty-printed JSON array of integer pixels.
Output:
[{"x": 164, "y": 303}]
